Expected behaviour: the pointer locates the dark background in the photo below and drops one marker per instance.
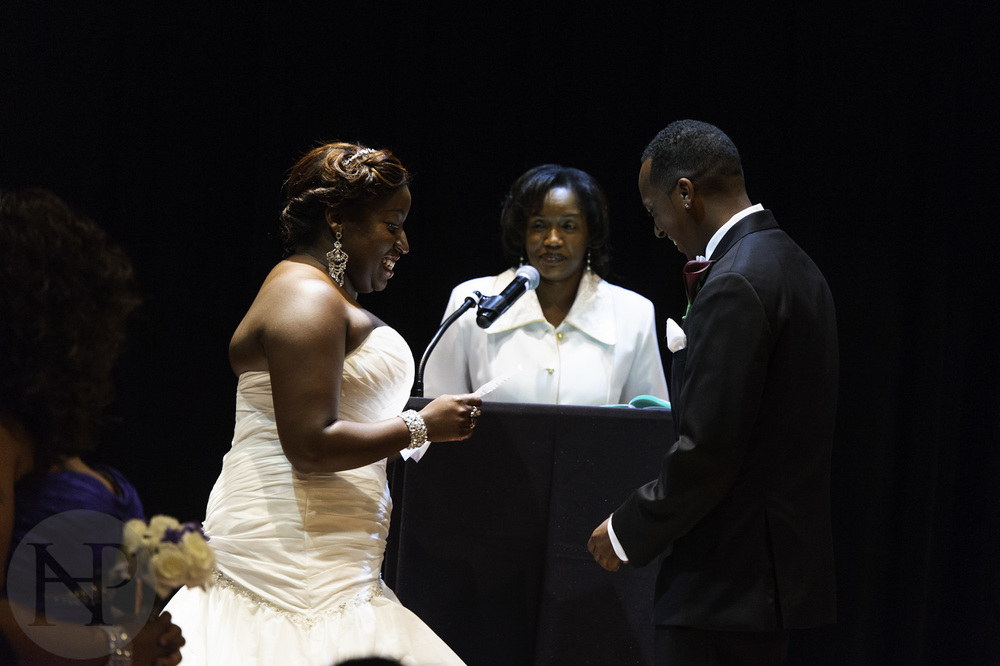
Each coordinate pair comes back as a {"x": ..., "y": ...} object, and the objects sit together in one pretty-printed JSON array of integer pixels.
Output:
[{"x": 869, "y": 129}]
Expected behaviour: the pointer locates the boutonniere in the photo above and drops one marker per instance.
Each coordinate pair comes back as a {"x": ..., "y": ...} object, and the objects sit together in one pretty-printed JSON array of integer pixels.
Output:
[
  {"x": 694, "y": 277},
  {"x": 676, "y": 339}
]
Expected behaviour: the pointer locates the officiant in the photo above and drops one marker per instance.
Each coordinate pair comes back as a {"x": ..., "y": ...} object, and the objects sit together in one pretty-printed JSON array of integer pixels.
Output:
[{"x": 576, "y": 339}]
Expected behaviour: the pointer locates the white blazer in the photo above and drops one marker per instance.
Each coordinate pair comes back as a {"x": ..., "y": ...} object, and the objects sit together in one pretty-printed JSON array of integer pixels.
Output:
[{"x": 604, "y": 352}]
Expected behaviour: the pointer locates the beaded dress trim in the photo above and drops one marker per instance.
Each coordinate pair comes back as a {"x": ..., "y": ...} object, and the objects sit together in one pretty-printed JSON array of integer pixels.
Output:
[{"x": 223, "y": 581}]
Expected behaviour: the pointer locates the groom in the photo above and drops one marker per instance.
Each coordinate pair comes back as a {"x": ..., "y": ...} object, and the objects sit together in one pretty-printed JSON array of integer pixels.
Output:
[{"x": 741, "y": 506}]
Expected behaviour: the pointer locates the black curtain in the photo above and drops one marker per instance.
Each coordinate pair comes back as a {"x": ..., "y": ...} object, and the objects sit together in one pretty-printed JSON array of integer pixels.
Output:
[{"x": 869, "y": 129}]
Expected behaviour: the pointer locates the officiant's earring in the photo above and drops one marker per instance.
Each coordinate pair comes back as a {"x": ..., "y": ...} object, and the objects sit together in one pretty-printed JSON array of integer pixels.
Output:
[
  {"x": 336, "y": 261},
  {"x": 589, "y": 269}
]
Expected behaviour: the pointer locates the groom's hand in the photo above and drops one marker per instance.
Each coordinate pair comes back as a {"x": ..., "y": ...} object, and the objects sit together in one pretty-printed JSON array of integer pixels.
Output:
[{"x": 600, "y": 547}]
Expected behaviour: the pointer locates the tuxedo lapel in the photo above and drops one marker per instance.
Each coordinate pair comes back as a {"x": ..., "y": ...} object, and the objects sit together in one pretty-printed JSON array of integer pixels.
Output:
[{"x": 754, "y": 222}]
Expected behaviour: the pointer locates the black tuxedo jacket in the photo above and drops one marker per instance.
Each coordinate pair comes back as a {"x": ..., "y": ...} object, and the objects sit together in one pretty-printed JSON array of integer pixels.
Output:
[{"x": 742, "y": 502}]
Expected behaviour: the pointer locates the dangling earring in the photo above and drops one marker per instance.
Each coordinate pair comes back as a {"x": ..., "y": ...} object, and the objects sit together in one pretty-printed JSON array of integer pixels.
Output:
[
  {"x": 336, "y": 260},
  {"x": 589, "y": 270},
  {"x": 521, "y": 260}
]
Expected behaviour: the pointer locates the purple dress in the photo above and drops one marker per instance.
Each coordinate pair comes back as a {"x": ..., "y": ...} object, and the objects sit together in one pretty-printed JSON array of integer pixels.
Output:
[
  {"x": 37, "y": 497},
  {"x": 46, "y": 507}
]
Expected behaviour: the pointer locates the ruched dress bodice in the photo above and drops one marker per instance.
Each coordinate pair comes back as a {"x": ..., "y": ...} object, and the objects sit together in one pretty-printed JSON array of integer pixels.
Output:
[
  {"x": 305, "y": 549},
  {"x": 275, "y": 530}
]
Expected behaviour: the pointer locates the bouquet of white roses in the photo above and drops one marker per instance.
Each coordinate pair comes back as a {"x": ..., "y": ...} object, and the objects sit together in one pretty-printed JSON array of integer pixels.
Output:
[{"x": 180, "y": 553}]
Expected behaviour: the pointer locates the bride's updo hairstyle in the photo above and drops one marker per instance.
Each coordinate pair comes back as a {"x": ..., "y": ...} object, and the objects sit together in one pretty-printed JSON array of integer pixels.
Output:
[{"x": 344, "y": 179}]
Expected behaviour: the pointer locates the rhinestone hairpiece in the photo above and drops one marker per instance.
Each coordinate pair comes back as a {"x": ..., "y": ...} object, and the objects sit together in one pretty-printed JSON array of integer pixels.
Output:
[{"x": 361, "y": 153}]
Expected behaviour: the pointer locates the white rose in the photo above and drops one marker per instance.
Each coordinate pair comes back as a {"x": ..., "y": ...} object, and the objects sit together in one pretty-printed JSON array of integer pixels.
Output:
[
  {"x": 171, "y": 566},
  {"x": 160, "y": 524},
  {"x": 200, "y": 557},
  {"x": 134, "y": 535}
]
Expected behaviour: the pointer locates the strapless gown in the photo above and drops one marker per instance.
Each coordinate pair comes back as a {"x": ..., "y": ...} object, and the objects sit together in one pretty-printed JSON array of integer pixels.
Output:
[{"x": 299, "y": 555}]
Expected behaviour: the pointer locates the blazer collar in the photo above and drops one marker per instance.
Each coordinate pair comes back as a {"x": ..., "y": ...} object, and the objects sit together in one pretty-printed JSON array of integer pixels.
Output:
[
  {"x": 592, "y": 311},
  {"x": 752, "y": 223}
]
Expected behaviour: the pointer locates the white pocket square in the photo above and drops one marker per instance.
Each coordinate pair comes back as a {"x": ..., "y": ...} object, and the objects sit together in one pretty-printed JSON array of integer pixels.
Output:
[{"x": 676, "y": 340}]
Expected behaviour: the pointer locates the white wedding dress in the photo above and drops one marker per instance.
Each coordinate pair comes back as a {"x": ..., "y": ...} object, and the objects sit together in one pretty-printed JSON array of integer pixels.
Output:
[{"x": 299, "y": 555}]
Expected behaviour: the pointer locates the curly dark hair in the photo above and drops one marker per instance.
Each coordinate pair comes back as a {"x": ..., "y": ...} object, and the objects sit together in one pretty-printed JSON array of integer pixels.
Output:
[
  {"x": 343, "y": 179},
  {"x": 695, "y": 150},
  {"x": 526, "y": 197},
  {"x": 65, "y": 294}
]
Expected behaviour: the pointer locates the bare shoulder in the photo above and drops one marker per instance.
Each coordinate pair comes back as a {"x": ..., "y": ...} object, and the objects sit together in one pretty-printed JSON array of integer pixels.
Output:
[
  {"x": 299, "y": 294},
  {"x": 296, "y": 304}
]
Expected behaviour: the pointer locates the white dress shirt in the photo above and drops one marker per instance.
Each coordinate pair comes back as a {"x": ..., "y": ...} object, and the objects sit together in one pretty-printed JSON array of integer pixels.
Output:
[
  {"x": 605, "y": 352},
  {"x": 716, "y": 238}
]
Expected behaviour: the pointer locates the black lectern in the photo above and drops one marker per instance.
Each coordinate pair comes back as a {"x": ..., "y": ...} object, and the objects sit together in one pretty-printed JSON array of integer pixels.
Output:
[{"x": 489, "y": 536}]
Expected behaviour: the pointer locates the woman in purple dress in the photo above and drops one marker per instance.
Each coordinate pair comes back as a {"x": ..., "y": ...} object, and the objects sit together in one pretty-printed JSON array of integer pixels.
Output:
[{"x": 65, "y": 292}]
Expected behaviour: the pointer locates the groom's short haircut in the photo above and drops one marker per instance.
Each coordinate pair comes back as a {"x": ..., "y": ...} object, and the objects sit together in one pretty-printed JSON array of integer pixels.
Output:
[{"x": 698, "y": 151}]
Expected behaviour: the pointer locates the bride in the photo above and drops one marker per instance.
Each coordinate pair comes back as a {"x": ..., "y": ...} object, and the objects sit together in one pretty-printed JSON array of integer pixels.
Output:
[{"x": 299, "y": 515}]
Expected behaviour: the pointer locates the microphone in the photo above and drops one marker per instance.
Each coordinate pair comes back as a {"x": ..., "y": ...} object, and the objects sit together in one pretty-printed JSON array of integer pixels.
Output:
[{"x": 492, "y": 307}]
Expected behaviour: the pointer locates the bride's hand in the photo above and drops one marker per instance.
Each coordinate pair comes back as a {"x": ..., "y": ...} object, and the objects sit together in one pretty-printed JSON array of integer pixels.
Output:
[{"x": 451, "y": 417}]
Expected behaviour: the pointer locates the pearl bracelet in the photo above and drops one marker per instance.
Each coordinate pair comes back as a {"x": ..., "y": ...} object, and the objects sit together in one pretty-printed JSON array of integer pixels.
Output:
[
  {"x": 418, "y": 431},
  {"x": 119, "y": 646}
]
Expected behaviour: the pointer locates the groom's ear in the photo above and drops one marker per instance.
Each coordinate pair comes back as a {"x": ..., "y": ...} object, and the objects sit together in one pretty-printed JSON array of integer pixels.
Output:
[{"x": 685, "y": 191}]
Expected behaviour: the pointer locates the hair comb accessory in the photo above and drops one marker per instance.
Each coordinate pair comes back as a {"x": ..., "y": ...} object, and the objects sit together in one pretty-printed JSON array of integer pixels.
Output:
[{"x": 361, "y": 153}]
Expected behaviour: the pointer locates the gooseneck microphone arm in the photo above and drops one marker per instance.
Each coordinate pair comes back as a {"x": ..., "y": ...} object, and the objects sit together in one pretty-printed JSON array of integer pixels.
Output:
[
  {"x": 467, "y": 304},
  {"x": 490, "y": 308}
]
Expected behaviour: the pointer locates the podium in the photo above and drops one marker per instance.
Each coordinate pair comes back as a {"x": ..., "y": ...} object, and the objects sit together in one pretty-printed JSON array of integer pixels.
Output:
[{"x": 488, "y": 543}]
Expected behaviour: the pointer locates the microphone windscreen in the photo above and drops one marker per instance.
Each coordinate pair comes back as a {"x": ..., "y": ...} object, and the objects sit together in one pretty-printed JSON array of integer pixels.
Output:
[{"x": 529, "y": 273}]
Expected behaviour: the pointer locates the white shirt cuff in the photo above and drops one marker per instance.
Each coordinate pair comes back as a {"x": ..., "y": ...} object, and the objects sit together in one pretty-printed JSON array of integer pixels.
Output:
[
  {"x": 619, "y": 551},
  {"x": 414, "y": 454}
]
